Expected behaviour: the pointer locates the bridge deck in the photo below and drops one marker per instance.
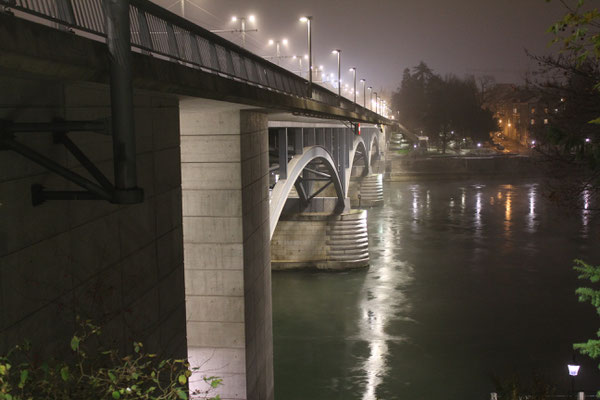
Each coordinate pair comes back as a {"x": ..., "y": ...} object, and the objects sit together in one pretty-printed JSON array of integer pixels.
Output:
[{"x": 29, "y": 47}]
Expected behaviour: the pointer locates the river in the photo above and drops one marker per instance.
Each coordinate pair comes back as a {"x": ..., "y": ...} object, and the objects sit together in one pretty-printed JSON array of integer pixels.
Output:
[{"x": 468, "y": 281}]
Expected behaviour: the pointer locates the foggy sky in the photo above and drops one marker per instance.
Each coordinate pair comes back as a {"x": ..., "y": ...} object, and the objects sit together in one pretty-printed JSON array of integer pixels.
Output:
[{"x": 382, "y": 37}]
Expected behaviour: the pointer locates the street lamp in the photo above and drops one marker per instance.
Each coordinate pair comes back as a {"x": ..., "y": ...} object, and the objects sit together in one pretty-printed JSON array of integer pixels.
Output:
[
  {"x": 573, "y": 371},
  {"x": 243, "y": 26},
  {"x": 243, "y": 29},
  {"x": 277, "y": 43},
  {"x": 353, "y": 70},
  {"x": 363, "y": 81},
  {"x": 308, "y": 20},
  {"x": 339, "y": 55},
  {"x": 376, "y": 108},
  {"x": 370, "y": 97}
]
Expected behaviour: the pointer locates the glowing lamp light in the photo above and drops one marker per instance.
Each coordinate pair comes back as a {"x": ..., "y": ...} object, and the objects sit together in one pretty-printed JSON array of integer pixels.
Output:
[
  {"x": 271, "y": 41},
  {"x": 587, "y": 140},
  {"x": 303, "y": 19},
  {"x": 251, "y": 18},
  {"x": 415, "y": 146},
  {"x": 533, "y": 142},
  {"x": 478, "y": 144},
  {"x": 285, "y": 42},
  {"x": 573, "y": 369}
]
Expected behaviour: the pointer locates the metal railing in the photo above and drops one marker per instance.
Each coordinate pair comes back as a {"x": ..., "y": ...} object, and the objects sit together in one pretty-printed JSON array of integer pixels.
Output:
[{"x": 163, "y": 34}]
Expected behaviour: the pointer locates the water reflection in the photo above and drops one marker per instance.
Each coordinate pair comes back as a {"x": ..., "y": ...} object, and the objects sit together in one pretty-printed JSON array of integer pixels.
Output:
[
  {"x": 383, "y": 301},
  {"x": 531, "y": 225},
  {"x": 585, "y": 213},
  {"x": 478, "y": 202},
  {"x": 508, "y": 217},
  {"x": 445, "y": 303}
]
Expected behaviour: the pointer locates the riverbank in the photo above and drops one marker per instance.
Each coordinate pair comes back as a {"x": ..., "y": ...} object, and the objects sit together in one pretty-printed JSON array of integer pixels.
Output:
[{"x": 407, "y": 168}]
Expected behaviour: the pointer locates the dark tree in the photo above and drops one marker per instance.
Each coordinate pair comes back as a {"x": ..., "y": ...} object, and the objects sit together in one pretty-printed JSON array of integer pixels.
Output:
[
  {"x": 444, "y": 109},
  {"x": 569, "y": 142}
]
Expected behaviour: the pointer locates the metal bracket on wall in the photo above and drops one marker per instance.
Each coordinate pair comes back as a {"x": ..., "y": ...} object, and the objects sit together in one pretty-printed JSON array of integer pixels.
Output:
[{"x": 101, "y": 189}]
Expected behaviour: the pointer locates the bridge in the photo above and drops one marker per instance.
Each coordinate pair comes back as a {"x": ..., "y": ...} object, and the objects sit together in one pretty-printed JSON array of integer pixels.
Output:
[{"x": 209, "y": 146}]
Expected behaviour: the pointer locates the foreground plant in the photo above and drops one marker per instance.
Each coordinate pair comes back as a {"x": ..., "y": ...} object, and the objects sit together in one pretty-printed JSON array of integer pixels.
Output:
[
  {"x": 93, "y": 372},
  {"x": 589, "y": 272}
]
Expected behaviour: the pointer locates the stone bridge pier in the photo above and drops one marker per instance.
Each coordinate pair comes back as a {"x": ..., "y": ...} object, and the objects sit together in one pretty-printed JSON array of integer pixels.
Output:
[{"x": 225, "y": 190}]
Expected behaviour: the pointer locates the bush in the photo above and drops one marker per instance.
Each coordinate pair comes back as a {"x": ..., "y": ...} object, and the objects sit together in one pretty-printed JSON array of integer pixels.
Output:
[{"x": 93, "y": 372}]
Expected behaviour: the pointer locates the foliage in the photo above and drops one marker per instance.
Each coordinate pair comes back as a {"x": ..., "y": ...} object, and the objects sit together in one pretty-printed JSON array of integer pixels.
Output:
[
  {"x": 569, "y": 83},
  {"x": 578, "y": 31},
  {"x": 444, "y": 109},
  {"x": 96, "y": 373},
  {"x": 589, "y": 272}
]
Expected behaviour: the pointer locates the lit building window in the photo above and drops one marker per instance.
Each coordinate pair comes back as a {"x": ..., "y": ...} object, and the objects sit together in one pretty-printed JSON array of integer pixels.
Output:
[
  {"x": 545, "y": 121},
  {"x": 546, "y": 110},
  {"x": 533, "y": 110},
  {"x": 532, "y": 121},
  {"x": 515, "y": 110}
]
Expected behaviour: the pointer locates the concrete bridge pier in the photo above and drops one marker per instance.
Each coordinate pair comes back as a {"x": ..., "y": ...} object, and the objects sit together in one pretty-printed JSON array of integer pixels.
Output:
[
  {"x": 366, "y": 191},
  {"x": 225, "y": 193},
  {"x": 316, "y": 238}
]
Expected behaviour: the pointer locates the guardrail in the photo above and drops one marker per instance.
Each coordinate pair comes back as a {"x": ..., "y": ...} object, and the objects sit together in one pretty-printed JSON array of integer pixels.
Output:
[{"x": 163, "y": 34}]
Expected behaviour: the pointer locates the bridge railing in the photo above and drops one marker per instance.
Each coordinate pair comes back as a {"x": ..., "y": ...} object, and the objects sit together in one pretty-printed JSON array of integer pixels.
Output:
[{"x": 163, "y": 34}]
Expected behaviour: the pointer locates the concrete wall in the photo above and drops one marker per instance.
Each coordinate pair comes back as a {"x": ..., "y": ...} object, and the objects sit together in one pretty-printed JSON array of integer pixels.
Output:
[
  {"x": 121, "y": 266},
  {"x": 227, "y": 257},
  {"x": 460, "y": 167}
]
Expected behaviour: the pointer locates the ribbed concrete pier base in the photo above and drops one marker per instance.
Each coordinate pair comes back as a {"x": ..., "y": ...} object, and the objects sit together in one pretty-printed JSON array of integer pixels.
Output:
[
  {"x": 367, "y": 191},
  {"x": 321, "y": 241}
]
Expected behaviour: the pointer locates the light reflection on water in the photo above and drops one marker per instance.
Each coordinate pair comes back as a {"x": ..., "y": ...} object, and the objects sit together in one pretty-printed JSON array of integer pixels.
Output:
[
  {"x": 382, "y": 302},
  {"x": 459, "y": 287}
]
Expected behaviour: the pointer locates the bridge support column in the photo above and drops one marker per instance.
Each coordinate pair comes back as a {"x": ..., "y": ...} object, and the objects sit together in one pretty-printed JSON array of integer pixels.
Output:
[
  {"x": 366, "y": 191},
  {"x": 226, "y": 247},
  {"x": 318, "y": 240}
]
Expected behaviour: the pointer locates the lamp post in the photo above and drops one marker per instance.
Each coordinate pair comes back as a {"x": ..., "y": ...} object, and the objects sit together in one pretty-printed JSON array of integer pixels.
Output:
[
  {"x": 308, "y": 20},
  {"x": 573, "y": 371},
  {"x": 376, "y": 103},
  {"x": 370, "y": 97},
  {"x": 339, "y": 54},
  {"x": 299, "y": 58},
  {"x": 242, "y": 29},
  {"x": 363, "y": 81},
  {"x": 353, "y": 70},
  {"x": 277, "y": 44}
]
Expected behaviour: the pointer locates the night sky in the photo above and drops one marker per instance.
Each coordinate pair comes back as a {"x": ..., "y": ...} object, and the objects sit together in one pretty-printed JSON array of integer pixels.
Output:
[{"x": 382, "y": 37}]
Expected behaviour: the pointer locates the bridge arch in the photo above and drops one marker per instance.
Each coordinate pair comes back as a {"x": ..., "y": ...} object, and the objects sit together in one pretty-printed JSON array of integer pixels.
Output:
[
  {"x": 374, "y": 145},
  {"x": 296, "y": 165}
]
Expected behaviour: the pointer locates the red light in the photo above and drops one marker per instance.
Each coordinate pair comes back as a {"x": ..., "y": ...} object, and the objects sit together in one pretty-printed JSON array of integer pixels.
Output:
[{"x": 359, "y": 129}]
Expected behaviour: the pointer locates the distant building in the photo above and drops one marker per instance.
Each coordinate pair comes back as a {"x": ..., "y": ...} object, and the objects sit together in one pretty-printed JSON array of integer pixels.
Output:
[{"x": 519, "y": 110}]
